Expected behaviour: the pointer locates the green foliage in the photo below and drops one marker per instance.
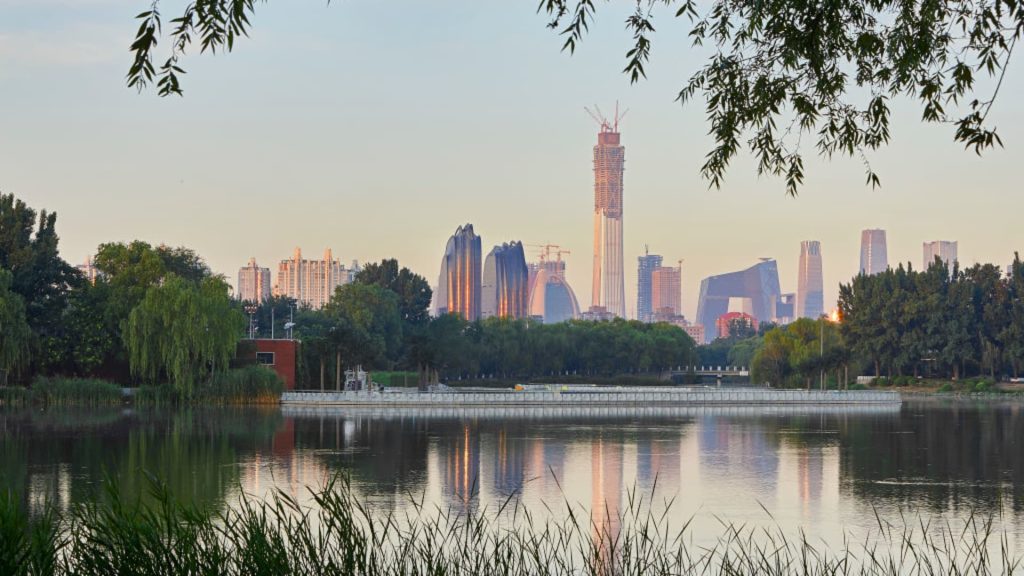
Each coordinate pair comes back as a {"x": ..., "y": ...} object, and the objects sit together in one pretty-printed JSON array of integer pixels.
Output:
[
  {"x": 183, "y": 331},
  {"x": 28, "y": 546},
  {"x": 779, "y": 72},
  {"x": 15, "y": 334},
  {"x": 796, "y": 354},
  {"x": 29, "y": 251},
  {"x": 248, "y": 385},
  {"x": 947, "y": 387},
  {"x": 15, "y": 396},
  {"x": 76, "y": 391},
  {"x": 938, "y": 322},
  {"x": 412, "y": 290}
]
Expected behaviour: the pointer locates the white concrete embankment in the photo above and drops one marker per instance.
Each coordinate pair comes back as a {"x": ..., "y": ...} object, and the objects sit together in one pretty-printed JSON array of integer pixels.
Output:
[{"x": 608, "y": 397}]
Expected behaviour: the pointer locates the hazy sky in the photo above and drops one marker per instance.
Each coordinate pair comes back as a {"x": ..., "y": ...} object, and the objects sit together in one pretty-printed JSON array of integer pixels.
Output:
[{"x": 376, "y": 128}]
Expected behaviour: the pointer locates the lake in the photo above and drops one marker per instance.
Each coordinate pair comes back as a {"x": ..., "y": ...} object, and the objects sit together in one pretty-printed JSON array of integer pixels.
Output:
[{"x": 828, "y": 471}]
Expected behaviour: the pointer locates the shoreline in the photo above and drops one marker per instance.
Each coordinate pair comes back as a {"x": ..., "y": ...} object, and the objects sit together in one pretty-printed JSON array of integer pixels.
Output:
[{"x": 619, "y": 397}]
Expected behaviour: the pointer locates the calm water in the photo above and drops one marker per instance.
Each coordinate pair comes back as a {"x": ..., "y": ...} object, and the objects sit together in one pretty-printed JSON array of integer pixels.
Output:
[{"x": 825, "y": 470}]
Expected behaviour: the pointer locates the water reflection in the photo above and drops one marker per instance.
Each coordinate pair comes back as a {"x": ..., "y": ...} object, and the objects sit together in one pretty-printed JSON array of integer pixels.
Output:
[{"x": 823, "y": 469}]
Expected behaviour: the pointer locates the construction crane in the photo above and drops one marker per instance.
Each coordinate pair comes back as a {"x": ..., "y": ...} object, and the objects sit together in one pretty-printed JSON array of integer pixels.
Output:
[
  {"x": 602, "y": 121},
  {"x": 547, "y": 249}
]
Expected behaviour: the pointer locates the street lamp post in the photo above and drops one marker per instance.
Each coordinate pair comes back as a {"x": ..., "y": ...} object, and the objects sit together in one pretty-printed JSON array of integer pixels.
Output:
[{"x": 251, "y": 309}]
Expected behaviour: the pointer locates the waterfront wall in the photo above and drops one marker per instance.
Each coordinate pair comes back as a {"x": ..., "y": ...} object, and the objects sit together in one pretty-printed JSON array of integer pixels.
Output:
[{"x": 610, "y": 397}]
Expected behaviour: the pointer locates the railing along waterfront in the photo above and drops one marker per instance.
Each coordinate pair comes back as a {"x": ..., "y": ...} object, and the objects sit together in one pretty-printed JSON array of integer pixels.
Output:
[{"x": 596, "y": 397}]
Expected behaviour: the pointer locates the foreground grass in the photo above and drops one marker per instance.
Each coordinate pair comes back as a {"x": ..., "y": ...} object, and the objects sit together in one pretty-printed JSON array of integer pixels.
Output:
[{"x": 337, "y": 534}]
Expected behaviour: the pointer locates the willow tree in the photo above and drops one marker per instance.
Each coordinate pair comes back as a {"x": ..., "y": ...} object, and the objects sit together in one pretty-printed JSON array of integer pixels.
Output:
[
  {"x": 778, "y": 73},
  {"x": 183, "y": 331},
  {"x": 15, "y": 334}
]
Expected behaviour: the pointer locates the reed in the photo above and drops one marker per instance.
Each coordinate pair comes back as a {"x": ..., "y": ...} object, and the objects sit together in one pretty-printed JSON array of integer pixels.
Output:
[
  {"x": 76, "y": 392},
  {"x": 335, "y": 533}
]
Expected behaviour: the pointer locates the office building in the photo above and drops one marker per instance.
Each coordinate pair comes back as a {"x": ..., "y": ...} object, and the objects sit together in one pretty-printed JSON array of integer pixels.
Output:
[
  {"x": 666, "y": 290},
  {"x": 810, "y": 291},
  {"x": 310, "y": 282},
  {"x": 609, "y": 289},
  {"x": 941, "y": 249},
  {"x": 646, "y": 265},
  {"x": 758, "y": 285},
  {"x": 873, "y": 257},
  {"x": 253, "y": 283},
  {"x": 505, "y": 286},
  {"x": 458, "y": 284}
]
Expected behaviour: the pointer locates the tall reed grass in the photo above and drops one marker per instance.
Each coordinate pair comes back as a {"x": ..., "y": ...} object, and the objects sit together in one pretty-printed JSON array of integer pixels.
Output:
[
  {"x": 63, "y": 392},
  {"x": 335, "y": 533}
]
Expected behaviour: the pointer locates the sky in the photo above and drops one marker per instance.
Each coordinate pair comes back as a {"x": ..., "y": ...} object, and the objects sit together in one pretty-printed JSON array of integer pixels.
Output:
[{"x": 377, "y": 128}]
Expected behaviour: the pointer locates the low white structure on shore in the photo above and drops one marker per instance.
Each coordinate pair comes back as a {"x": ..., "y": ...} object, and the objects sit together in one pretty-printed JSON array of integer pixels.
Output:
[{"x": 634, "y": 396}]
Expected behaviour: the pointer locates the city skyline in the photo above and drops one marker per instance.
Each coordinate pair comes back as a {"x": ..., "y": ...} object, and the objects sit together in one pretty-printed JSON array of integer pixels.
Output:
[{"x": 274, "y": 173}]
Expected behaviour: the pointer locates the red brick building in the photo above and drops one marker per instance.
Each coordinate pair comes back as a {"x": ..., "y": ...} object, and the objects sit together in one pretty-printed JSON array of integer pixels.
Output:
[{"x": 276, "y": 354}]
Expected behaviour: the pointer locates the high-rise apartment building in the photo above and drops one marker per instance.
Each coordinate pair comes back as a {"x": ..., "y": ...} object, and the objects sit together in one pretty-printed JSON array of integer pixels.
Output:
[
  {"x": 873, "y": 257},
  {"x": 88, "y": 270},
  {"x": 666, "y": 290},
  {"x": 942, "y": 249},
  {"x": 810, "y": 291},
  {"x": 609, "y": 288},
  {"x": 505, "y": 285},
  {"x": 253, "y": 283},
  {"x": 310, "y": 282},
  {"x": 458, "y": 284},
  {"x": 646, "y": 265}
]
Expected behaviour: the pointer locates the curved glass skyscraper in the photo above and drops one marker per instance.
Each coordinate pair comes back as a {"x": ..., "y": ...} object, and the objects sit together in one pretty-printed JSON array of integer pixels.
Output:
[
  {"x": 458, "y": 284},
  {"x": 505, "y": 286}
]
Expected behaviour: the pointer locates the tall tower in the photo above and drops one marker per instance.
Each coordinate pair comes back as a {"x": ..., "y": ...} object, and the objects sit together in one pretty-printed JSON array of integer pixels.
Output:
[
  {"x": 505, "y": 285},
  {"x": 646, "y": 265},
  {"x": 810, "y": 291},
  {"x": 609, "y": 288},
  {"x": 458, "y": 284},
  {"x": 873, "y": 257}
]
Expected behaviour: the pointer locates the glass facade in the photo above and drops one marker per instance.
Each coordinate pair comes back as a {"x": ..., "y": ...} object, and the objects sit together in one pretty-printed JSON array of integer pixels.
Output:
[
  {"x": 505, "y": 285},
  {"x": 810, "y": 291},
  {"x": 759, "y": 284},
  {"x": 458, "y": 284},
  {"x": 646, "y": 265}
]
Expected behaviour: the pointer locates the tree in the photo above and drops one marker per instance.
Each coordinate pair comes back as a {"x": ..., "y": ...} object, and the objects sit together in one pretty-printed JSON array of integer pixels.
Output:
[
  {"x": 183, "y": 332},
  {"x": 28, "y": 250},
  {"x": 778, "y": 70},
  {"x": 15, "y": 334},
  {"x": 367, "y": 327},
  {"x": 412, "y": 290}
]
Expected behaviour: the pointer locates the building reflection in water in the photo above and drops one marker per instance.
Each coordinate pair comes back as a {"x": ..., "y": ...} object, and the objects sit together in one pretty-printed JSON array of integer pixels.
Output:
[
  {"x": 459, "y": 459},
  {"x": 509, "y": 462},
  {"x": 606, "y": 495}
]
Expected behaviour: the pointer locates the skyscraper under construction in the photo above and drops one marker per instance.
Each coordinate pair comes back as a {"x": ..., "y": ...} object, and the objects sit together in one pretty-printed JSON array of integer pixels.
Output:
[{"x": 608, "y": 289}]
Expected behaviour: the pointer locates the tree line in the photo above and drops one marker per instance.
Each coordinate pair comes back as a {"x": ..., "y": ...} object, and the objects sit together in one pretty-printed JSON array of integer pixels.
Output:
[
  {"x": 158, "y": 314},
  {"x": 941, "y": 322}
]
